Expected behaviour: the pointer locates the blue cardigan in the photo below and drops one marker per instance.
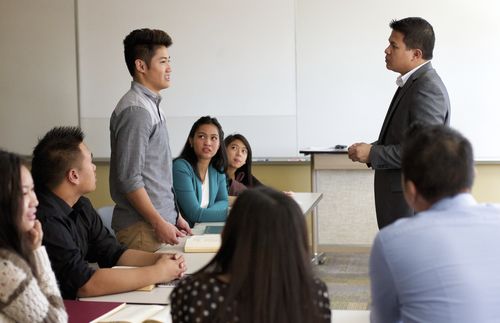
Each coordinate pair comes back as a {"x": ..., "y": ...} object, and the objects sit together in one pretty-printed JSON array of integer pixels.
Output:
[{"x": 188, "y": 192}]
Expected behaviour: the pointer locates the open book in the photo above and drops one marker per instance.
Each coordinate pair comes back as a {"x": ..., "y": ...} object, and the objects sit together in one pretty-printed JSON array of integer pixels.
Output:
[
  {"x": 137, "y": 314},
  {"x": 203, "y": 243}
]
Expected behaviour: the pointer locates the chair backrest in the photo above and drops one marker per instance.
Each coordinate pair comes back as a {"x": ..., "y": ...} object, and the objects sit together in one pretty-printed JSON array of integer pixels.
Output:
[{"x": 106, "y": 214}]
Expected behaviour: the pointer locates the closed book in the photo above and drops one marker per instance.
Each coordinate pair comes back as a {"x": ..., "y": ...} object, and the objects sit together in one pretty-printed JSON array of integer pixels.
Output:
[
  {"x": 203, "y": 243},
  {"x": 84, "y": 312}
]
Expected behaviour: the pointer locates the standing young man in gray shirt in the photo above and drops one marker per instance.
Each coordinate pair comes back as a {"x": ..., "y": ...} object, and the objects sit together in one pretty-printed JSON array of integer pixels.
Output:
[{"x": 140, "y": 177}]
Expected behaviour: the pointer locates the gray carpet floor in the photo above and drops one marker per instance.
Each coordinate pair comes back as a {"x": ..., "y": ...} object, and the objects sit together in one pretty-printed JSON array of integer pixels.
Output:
[{"x": 346, "y": 274}]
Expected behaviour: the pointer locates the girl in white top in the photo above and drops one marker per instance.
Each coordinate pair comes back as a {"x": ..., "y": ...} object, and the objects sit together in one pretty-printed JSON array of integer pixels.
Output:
[{"x": 29, "y": 291}]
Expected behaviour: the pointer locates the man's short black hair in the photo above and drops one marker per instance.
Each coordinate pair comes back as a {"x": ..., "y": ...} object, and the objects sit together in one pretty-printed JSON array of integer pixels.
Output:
[
  {"x": 418, "y": 34},
  {"x": 142, "y": 44},
  {"x": 438, "y": 160},
  {"x": 55, "y": 154}
]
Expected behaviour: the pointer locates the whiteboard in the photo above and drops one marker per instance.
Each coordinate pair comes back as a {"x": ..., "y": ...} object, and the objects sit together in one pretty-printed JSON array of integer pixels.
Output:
[
  {"x": 344, "y": 89},
  {"x": 290, "y": 74},
  {"x": 231, "y": 59},
  {"x": 286, "y": 73}
]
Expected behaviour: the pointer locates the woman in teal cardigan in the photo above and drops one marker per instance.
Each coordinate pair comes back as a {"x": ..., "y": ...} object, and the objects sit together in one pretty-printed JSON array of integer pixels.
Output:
[{"x": 199, "y": 174}]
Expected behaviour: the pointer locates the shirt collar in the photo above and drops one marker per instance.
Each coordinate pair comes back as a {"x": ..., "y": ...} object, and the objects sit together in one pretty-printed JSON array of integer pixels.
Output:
[
  {"x": 56, "y": 201},
  {"x": 457, "y": 201},
  {"x": 401, "y": 80},
  {"x": 156, "y": 98}
]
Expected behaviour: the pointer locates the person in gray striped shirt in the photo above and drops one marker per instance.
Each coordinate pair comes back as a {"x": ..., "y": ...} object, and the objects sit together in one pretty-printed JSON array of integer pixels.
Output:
[{"x": 140, "y": 177}]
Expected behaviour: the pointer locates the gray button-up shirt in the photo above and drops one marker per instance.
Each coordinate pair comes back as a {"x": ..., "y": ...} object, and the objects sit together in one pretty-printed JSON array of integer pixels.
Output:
[{"x": 140, "y": 156}]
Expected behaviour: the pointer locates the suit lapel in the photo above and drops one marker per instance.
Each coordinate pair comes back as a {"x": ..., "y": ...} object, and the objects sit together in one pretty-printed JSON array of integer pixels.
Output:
[
  {"x": 400, "y": 92},
  {"x": 389, "y": 114}
]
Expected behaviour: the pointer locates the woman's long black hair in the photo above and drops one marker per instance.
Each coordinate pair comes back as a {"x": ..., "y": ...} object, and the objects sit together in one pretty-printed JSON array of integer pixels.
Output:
[
  {"x": 246, "y": 169},
  {"x": 219, "y": 161},
  {"x": 11, "y": 206},
  {"x": 265, "y": 254}
]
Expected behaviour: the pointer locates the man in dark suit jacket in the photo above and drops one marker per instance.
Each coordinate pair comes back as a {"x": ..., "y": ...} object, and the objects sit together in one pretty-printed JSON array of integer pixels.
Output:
[{"x": 421, "y": 97}]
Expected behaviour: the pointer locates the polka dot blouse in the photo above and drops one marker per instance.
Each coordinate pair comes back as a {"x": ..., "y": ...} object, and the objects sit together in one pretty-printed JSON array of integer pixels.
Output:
[{"x": 197, "y": 299}]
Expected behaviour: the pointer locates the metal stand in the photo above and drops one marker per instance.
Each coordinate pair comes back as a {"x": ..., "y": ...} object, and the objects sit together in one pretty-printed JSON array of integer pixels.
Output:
[{"x": 318, "y": 258}]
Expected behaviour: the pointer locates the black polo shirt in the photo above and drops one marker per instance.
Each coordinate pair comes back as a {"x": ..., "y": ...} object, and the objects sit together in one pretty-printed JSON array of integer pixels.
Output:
[{"x": 73, "y": 237}]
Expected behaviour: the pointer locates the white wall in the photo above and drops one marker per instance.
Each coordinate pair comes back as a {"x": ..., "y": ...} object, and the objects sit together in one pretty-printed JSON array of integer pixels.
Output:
[
  {"x": 231, "y": 59},
  {"x": 38, "y": 81}
]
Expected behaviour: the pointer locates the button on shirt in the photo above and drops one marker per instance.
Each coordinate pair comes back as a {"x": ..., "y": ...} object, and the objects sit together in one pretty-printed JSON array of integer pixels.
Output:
[{"x": 73, "y": 237}]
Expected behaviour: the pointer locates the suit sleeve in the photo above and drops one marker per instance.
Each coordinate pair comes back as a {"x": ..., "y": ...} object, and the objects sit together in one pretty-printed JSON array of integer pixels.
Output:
[
  {"x": 385, "y": 156},
  {"x": 427, "y": 102}
]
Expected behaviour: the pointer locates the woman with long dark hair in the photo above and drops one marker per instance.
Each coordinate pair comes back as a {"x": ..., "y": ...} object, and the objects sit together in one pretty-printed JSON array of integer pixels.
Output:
[
  {"x": 199, "y": 174},
  {"x": 262, "y": 271},
  {"x": 239, "y": 165},
  {"x": 28, "y": 291}
]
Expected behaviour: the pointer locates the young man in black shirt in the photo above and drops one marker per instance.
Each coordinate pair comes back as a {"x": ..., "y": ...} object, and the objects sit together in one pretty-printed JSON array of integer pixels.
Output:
[{"x": 75, "y": 235}]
